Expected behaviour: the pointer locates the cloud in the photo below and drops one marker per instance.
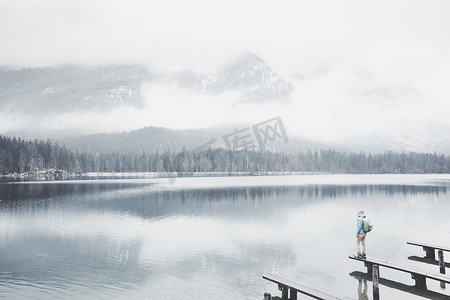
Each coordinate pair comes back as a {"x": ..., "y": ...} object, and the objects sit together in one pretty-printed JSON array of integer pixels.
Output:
[
  {"x": 344, "y": 102},
  {"x": 290, "y": 34}
]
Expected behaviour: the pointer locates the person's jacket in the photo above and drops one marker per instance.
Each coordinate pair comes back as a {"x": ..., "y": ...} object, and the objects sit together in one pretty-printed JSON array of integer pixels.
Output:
[{"x": 360, "y": 224}]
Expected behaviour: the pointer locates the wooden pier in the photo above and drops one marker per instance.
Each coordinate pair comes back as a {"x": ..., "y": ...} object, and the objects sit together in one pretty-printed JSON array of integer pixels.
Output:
[
  {"x": 430, "y": 254},
  {"x": 290, "y": 287}
]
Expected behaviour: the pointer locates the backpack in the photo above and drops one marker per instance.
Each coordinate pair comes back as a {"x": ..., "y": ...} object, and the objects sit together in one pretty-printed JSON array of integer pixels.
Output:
[{"x": 367, "y": 225}]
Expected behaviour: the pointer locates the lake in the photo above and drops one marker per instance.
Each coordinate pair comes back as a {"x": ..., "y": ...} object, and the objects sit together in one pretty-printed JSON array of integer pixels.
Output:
[{"x": 213, "y": 237}]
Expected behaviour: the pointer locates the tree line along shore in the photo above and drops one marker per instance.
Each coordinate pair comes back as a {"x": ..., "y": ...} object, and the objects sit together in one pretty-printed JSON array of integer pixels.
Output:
[{"x": 19, "y": 157}]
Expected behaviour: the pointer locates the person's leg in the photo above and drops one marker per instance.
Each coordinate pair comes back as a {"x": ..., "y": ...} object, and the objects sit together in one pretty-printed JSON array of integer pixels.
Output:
[
  {"x": 363, "y": 242},
  {"x": 358, "y": 240}
]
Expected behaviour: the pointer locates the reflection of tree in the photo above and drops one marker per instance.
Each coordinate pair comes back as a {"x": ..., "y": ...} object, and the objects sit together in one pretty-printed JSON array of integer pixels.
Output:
[
  {"x": 236, "y": 201},
  {"x": 362, "y": 293}
]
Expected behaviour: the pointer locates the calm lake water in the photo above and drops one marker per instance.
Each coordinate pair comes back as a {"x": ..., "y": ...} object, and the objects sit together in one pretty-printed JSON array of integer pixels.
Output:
[{"x": 213, "y": 238}]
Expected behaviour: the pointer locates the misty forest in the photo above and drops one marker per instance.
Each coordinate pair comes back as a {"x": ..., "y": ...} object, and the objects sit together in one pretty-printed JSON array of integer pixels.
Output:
[{"x": 19, "y": 156}]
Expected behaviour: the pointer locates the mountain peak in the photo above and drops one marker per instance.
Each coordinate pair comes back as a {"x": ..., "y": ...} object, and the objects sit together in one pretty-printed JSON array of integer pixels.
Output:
[
  {"x": 257, "y": 81},
  {"x": 249, "y": 60},
  {"x": 250, "y": 75}
]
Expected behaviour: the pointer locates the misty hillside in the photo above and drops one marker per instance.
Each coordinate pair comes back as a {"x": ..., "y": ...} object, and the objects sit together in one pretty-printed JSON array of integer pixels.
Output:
[
  {"x": 152, "y": 139},
  {"x": 70, "y": 88},
  {"x": 149, "y": 139}
]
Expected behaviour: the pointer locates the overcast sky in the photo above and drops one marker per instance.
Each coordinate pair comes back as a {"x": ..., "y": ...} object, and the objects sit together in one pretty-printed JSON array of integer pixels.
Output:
[
  {"x": 290, "y": 35},
  {"x": 405, "y": 43}
]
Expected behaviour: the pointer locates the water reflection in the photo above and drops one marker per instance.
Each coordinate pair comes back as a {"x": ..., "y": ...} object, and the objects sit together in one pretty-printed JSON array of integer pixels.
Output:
[
  {"x": 251, "y": 200},
  {"x": 362, "y": 292},
  {"x": 145, "y": 239},
  {"x": 55, "y": 264},
  {"x": 39, "y": 190},
  {"x": 406, "y": 291},
  {"x": 142, "y": 200}
]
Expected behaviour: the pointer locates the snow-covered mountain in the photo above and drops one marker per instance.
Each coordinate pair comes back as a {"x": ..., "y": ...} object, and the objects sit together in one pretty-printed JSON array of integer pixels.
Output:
[
  {"x": 70, "y": 88},
  {"x": 79, "y": 89},
  {"x": 249, "y": 75}
]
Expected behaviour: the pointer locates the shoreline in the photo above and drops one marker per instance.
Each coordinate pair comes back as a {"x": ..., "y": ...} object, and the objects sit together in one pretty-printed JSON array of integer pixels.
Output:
[{"x": 58, "y": 175}]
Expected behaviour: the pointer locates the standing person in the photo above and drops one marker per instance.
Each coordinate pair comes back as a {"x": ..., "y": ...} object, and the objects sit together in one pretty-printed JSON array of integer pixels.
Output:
[{"x": 360, "y": 234}]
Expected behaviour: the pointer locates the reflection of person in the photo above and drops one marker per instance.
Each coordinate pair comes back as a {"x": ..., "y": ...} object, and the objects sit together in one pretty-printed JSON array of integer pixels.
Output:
[
  {"x": 362, "y": 293},
  {"x": 360, "y": 234}
]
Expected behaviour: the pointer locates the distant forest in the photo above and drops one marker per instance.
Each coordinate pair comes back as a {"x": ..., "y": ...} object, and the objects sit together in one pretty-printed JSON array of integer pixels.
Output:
[{"x": 19, "y": 156}]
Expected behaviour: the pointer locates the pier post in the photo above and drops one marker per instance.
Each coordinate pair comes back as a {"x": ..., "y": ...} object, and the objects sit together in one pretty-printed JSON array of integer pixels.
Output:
[
  {"x": 375, "y": 279},
  {"x": 292, "y": 294},
  {"x": 369, "y": 267},
  {"x": 429, "y": 253},
  {"x": 441, "y": 261},
  {"x": 421, "y": 282},
  {"x": 441, "y": 266},
  {"x": 284, "y": 291},
  {"x": 267, "y": 296}
]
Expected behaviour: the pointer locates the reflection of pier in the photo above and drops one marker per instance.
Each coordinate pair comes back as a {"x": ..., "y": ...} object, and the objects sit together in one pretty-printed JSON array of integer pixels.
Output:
[
  {"x": 418, "y": 275},
  {"x": 289, "y": 289},
  {"x": 411, "y": 289},
  {"x": 428, "y": 261}
]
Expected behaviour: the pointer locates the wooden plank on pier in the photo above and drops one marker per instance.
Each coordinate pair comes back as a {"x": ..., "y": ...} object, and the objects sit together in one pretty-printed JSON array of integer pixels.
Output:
[
  {"x": 430, "y": 253},
  {"x": 443, "y": 248}
]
